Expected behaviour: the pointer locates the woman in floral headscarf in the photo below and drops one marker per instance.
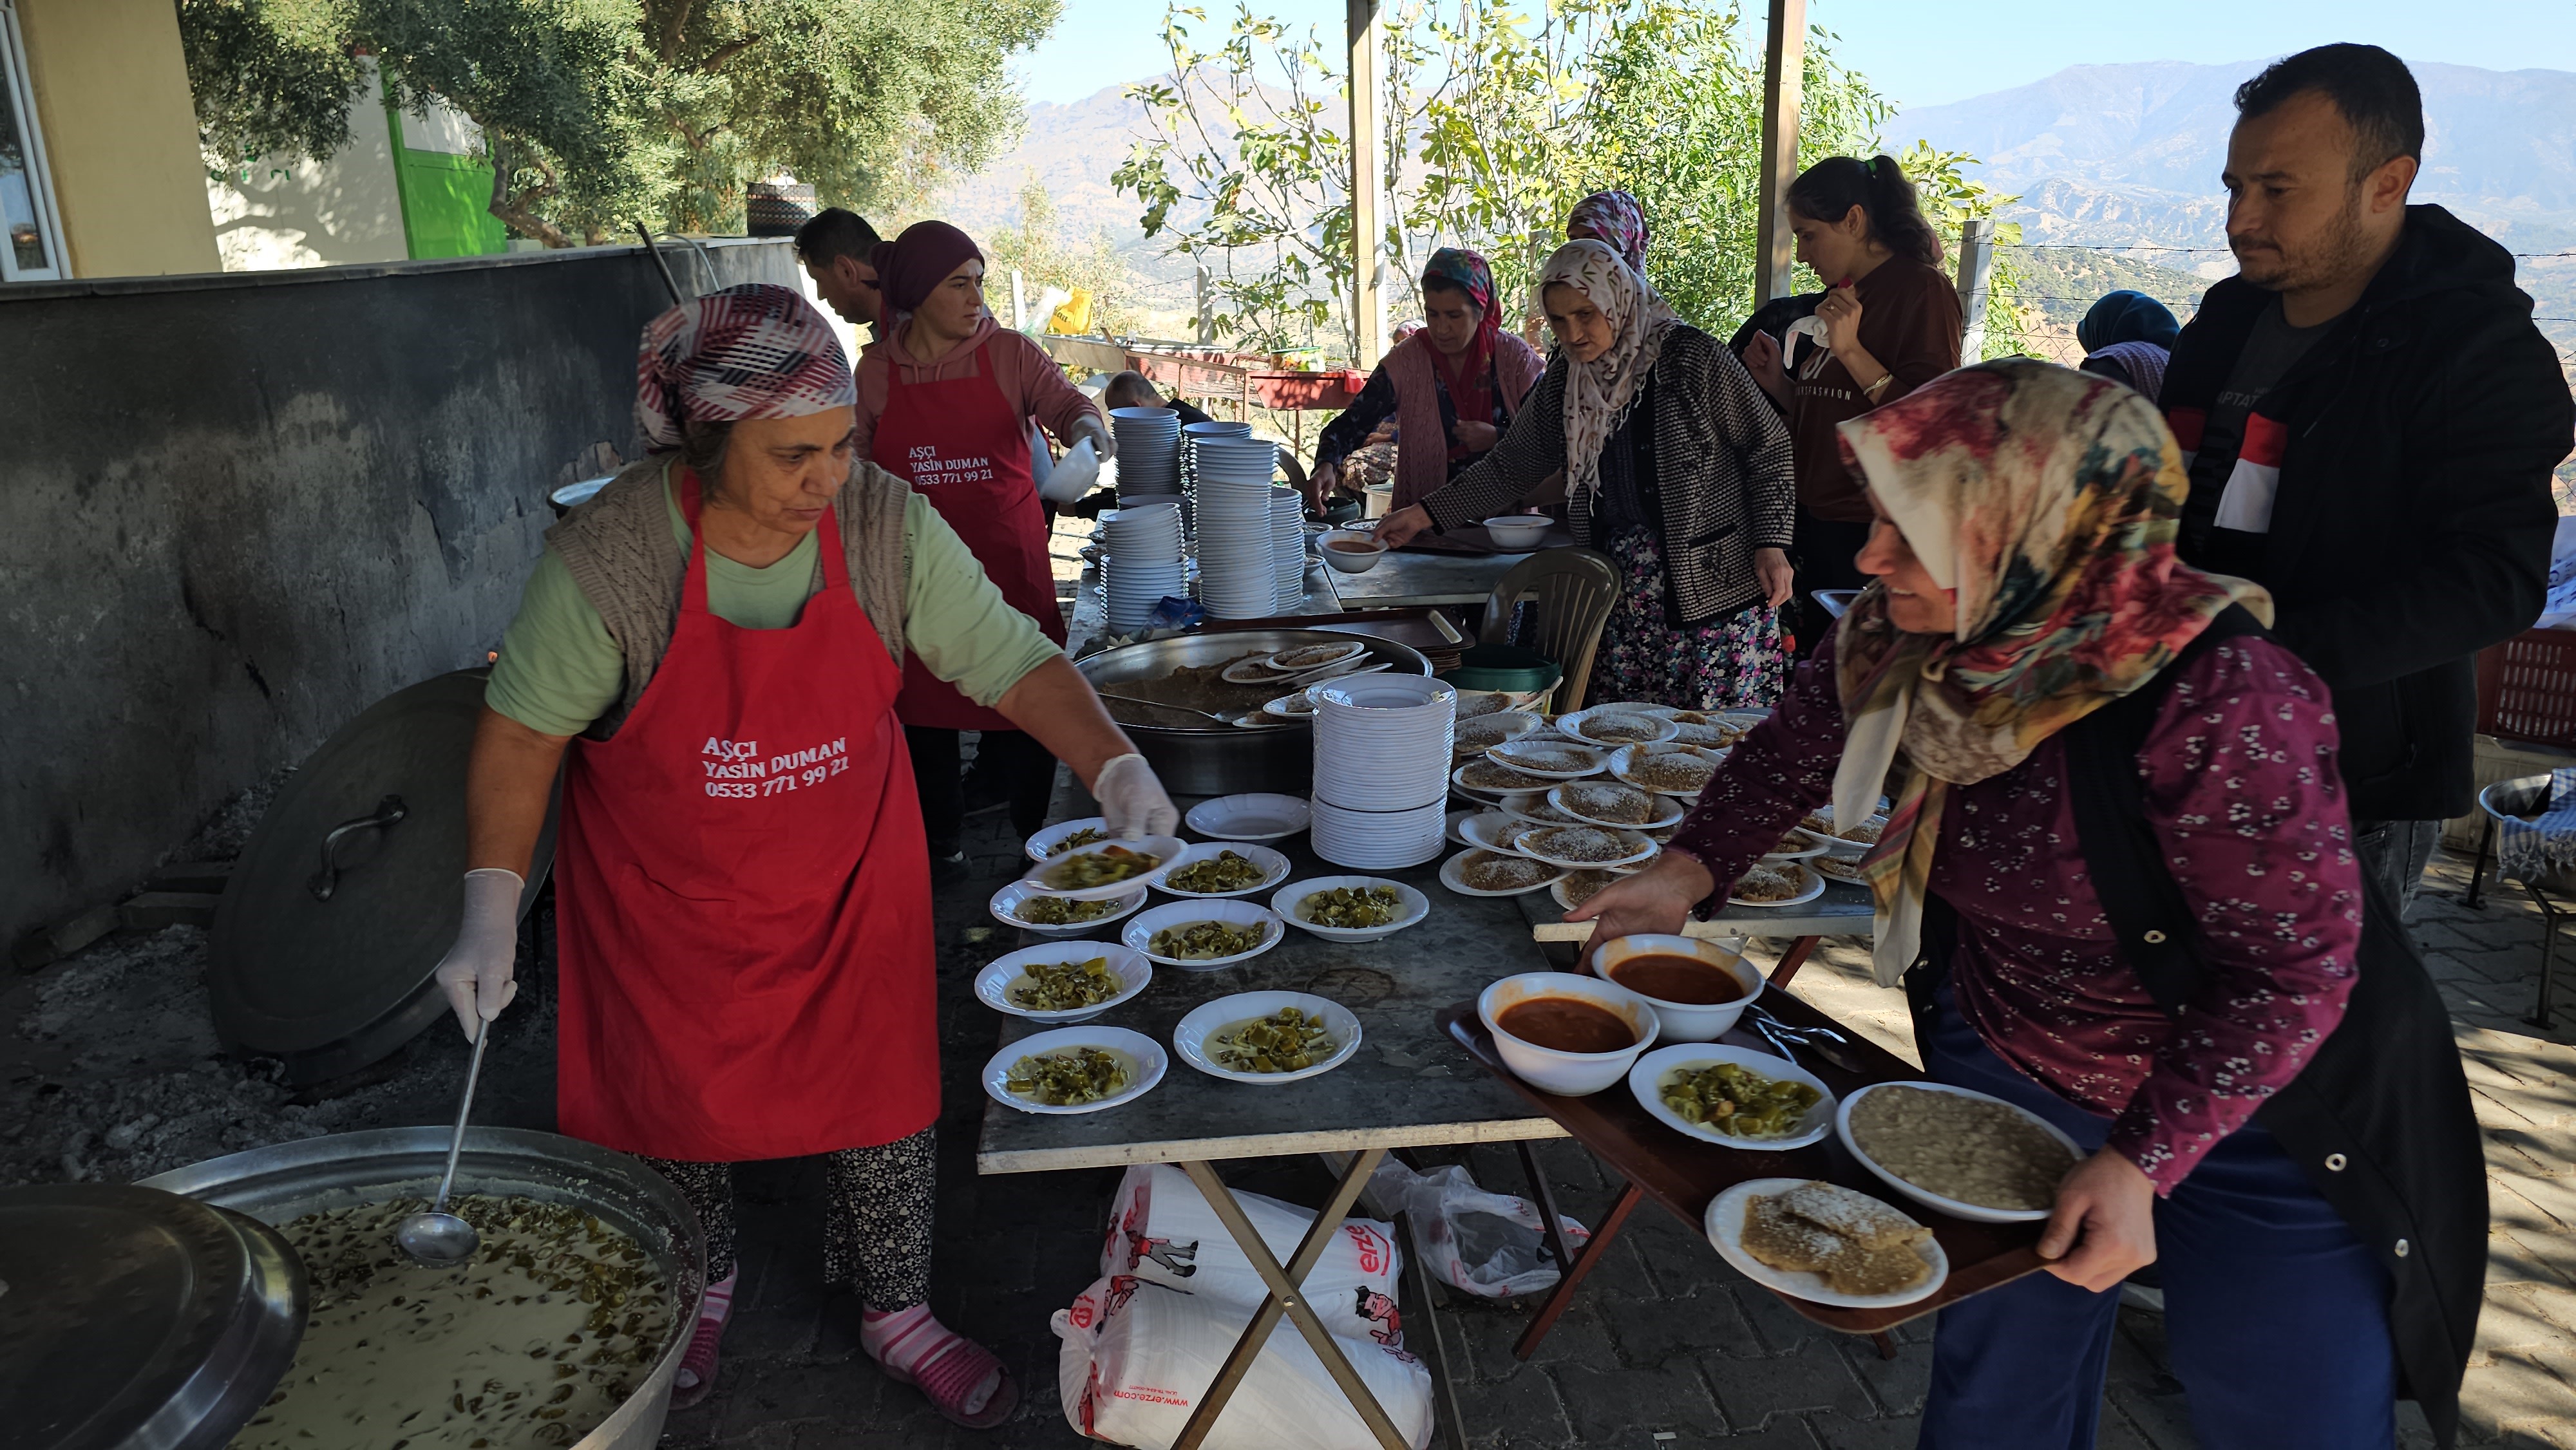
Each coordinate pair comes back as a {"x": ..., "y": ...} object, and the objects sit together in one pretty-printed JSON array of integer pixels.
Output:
[
  {"x": 2030, "y": 640},
  {"x": 1615, "y": 219},
  {"x": 1674, "y": 465},
  {"x": 1452, "y": 387}
]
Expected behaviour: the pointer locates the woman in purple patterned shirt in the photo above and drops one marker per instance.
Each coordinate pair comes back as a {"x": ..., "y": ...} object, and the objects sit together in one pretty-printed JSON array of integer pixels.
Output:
[{"x": 2026, "y": 578}]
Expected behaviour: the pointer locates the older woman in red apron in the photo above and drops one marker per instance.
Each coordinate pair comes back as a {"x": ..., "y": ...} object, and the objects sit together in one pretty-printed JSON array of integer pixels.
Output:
[
  {"x": 743, "y": 899},
  {"x": 945, "y": 399}
]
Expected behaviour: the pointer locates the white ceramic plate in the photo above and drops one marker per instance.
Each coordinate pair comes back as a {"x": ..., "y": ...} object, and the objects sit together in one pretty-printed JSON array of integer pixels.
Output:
[
  {"x": 1814, "y": 888},
  {"x": 1491, "y": 830},
  {"x": 1556, "y": 888},
  {"x": 1293, "y": 707},
  {"x": 1648, "y": 1075},
  {"x": 993, "y": 984},
  {"x": 1725, "y": 1226},
  {"x": 1624, "y": 759},
  {"x": 1457, "y": 819},
  {"x": 1451, "y": 876},
  {"x": 1316, "y": 656},
  {"x": 1837, "y": 846},
  {"x": 1525, "y": 807},
  {"x": 1007, "y": 900},
  {"x": 1041, "y": 847},
  {"x": 1514, "y": 754},
  {"x": 1458, "y": 778},
  {"x": 1146, "y": 1064},
  {"x": 1164, "y": 849},
  {"x": 1639, "y": 848},
  {"x": 1139, "y": 933},
  {"x": 1257, "y": 817},
  {"x": 1573, "y": 723},
  {"x": 1668, "y": 812},
  {"x": 1951, "y": 1206},
  {"x": 1836, "y": 869},
  {"x": 1492, "y": 730},
  {"x": 1796, "y": 844},
  {"x": 1411, "y": 907},
  {"x": 1274, "y": 868},
  {"x": 1254, "y": 671},
  {"x": 1190, "y": 1037}
]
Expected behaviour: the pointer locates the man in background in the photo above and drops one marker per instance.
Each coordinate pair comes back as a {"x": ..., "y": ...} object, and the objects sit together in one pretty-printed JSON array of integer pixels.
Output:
[
  {"x": 834, "y": 247},
  {"x": 1135, "y": 390},
  {"x": 2371, "y": 421}
]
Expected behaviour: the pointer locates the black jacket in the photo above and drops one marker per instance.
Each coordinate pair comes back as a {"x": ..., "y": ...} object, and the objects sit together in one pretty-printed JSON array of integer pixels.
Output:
[{"x": 2413, "y": 520}]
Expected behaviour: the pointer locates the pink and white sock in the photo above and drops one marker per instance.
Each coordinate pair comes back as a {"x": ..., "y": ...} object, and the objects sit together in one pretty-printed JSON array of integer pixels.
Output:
[
  {"x": 698, "y": 1364},
  {"x": 958, "y": 1375}
]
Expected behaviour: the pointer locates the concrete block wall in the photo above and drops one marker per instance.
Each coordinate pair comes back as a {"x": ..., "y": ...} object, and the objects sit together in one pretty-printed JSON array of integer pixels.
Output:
[{"x": 237, "y": 509}]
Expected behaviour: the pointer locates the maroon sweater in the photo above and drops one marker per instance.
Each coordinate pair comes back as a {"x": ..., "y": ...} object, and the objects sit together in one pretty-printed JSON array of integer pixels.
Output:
[{"x": 2242, "y": 790}]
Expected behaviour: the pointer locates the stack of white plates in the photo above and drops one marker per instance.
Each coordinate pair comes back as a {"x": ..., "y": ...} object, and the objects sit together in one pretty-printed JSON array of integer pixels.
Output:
[
  {"x": 1288, "y": 547},
  {"x": 1141, "y": 560},
  {"x": 1238, "y": 579},
  {"x": 1382, "y": 769},
  {"x": 1191, "y": 433},
  {"x": 1149, "y": 453}
]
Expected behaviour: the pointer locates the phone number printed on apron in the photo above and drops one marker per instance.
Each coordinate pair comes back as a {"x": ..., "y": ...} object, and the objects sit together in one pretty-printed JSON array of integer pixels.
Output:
[
  {"x": 930, "y": 470},
  {"x": 736, "y": 770}
]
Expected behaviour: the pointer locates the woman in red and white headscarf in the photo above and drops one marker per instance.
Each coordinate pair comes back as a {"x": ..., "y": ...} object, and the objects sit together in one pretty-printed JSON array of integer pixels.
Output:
[
  {"x": 1452, "y": 387},
  {"x": 743, "y": 903}
]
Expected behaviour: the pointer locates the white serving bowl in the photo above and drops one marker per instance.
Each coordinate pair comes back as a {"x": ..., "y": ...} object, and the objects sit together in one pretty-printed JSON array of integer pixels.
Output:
[
  {"x": 1139, "y": 933},
  {"x": 1256, "y": 817},
  {"x": 1647, "y": 1078},
  {"x": 1567, "y": 1074},
  {"x": 1007, "y": 900},
  {"x": 1411, "y": 907},
  {"x": 1041, "y": 847},
  {"x": 1344, "y": 551},
  {"x": 1164, "y": 849},
  {"x": 1516, "y": 532},
  {"x": 1190, "y": 1037},
  {"x": 1951, "y": 1206},
  {"x": 993, "y": 984},
  {"x": 1684, "y": 1021},
  {"x": 1146, "y": 1064},
  {"x": 1274, "y": 868}
]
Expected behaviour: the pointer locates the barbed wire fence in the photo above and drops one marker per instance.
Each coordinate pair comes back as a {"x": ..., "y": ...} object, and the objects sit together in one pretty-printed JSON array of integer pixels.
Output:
[{"x": 2039, "y": 291}]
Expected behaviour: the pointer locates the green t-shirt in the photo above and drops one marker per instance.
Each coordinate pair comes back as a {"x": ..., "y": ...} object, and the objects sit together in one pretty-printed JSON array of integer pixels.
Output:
[{"x": 559, "y": 670}]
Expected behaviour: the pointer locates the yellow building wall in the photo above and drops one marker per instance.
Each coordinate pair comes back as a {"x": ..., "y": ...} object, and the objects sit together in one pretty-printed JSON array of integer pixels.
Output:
[{"x": 111, "y": 93}]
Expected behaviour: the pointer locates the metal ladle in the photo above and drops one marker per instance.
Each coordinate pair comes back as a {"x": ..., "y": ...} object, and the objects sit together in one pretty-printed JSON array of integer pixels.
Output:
[{"x": 436, "y": 1238}]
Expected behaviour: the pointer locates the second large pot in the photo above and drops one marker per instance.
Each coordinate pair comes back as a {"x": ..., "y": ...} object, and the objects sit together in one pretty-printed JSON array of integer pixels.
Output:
[
  {"x": 288, "y": 1180},
  {"x": 1223, "y": 760}
]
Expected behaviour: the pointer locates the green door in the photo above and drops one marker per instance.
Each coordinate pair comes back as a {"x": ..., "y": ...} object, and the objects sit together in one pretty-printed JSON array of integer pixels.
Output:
[{"x": 446, "y": 200}]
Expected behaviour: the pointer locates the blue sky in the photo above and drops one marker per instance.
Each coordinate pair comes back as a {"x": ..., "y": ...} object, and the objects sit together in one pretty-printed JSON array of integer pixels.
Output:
[{"x": 1922, "y": 53}]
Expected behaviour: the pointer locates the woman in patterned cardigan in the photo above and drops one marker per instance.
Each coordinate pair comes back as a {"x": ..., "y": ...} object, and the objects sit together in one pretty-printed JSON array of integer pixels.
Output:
[{"x": 1676, "y": 466}]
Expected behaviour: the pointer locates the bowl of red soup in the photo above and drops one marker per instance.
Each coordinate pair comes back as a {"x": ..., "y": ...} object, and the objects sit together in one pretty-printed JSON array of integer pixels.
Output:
[
  {"x": 1564, "y": 1033},
  {"x": 1697, "y": 988}
]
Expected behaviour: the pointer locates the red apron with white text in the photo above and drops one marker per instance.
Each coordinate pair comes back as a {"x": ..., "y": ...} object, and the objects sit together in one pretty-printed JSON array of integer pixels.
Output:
[
  {"x": 744, "y": 896},
  {"x": 965, "y": 447}
]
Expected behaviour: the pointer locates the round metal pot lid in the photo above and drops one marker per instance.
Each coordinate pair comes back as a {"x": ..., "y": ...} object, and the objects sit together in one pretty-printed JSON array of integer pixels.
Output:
[
  {"x": 130, "y": 1317},
  {"x": 348, "y": 893}
]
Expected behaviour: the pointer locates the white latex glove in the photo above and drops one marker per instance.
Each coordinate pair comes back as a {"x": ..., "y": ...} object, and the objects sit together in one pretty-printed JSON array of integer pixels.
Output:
[
  {"x": 475, "y": 973},
  {"x": 1132, "y": 800}
]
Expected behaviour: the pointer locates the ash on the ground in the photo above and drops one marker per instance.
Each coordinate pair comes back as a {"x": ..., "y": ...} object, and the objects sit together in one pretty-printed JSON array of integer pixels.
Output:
[{"x": 138, "y": 1083}]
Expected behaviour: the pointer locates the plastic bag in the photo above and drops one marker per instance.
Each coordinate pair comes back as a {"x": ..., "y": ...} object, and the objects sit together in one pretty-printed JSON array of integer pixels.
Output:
[
  {"x": 1162, "y": 1230},
  {"x": 1487, "y": 1244},
  {"x": 1136, "y": 1357}
]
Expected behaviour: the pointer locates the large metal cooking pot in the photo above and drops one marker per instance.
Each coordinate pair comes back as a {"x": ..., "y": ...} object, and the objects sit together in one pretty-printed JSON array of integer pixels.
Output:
[
  {"x": 288, "y": 1180},
  {"x": 1221, "y": 759}
]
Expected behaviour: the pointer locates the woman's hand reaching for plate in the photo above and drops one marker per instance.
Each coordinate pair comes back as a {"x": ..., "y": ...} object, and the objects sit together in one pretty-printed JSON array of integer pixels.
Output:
[
  {"x": 1657, "y": 900},
  {"x": 1403, "y": 526}
]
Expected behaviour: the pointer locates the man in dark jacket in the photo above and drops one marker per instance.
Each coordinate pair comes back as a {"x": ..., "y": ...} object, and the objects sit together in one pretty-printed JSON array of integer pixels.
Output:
[{"x": 2371, "y": 420}]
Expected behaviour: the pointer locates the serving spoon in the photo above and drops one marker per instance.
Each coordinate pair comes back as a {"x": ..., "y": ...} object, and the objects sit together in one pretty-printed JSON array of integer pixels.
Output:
[{"x": 436, "y": 1238}]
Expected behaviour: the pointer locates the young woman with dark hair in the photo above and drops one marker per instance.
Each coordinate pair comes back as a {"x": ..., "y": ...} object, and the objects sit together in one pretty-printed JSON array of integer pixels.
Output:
[{"x": 1891, "y": 324}]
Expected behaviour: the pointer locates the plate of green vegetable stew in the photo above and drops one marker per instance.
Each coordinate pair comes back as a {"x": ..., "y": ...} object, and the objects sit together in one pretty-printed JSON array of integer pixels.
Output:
[
  {"x": 1267, "y": 1038},
  {"x": 1733, "y": 1096},
  {"x": 1075, "y": 1069},
  {"x": 1350, "y": 908},
  {"x": 1064, "y": 981},
  {"x": 1105, "y": 869}
]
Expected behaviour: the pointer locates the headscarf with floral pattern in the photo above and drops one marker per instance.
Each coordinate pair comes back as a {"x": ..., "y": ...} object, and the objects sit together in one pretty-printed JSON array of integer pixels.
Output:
[
  {"x": 1598, "y": 394},
  {"x": 1617, "y": 218},
  {"x": 2046, "y": 501}
]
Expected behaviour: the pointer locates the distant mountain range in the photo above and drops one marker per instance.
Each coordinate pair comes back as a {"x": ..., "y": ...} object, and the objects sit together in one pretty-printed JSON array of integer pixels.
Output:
[{"x": 2124, "y": 154}]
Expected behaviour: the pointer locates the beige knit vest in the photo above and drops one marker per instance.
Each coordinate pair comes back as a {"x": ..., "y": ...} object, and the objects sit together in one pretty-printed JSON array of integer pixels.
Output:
[{"x": 620, "y": 551}]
